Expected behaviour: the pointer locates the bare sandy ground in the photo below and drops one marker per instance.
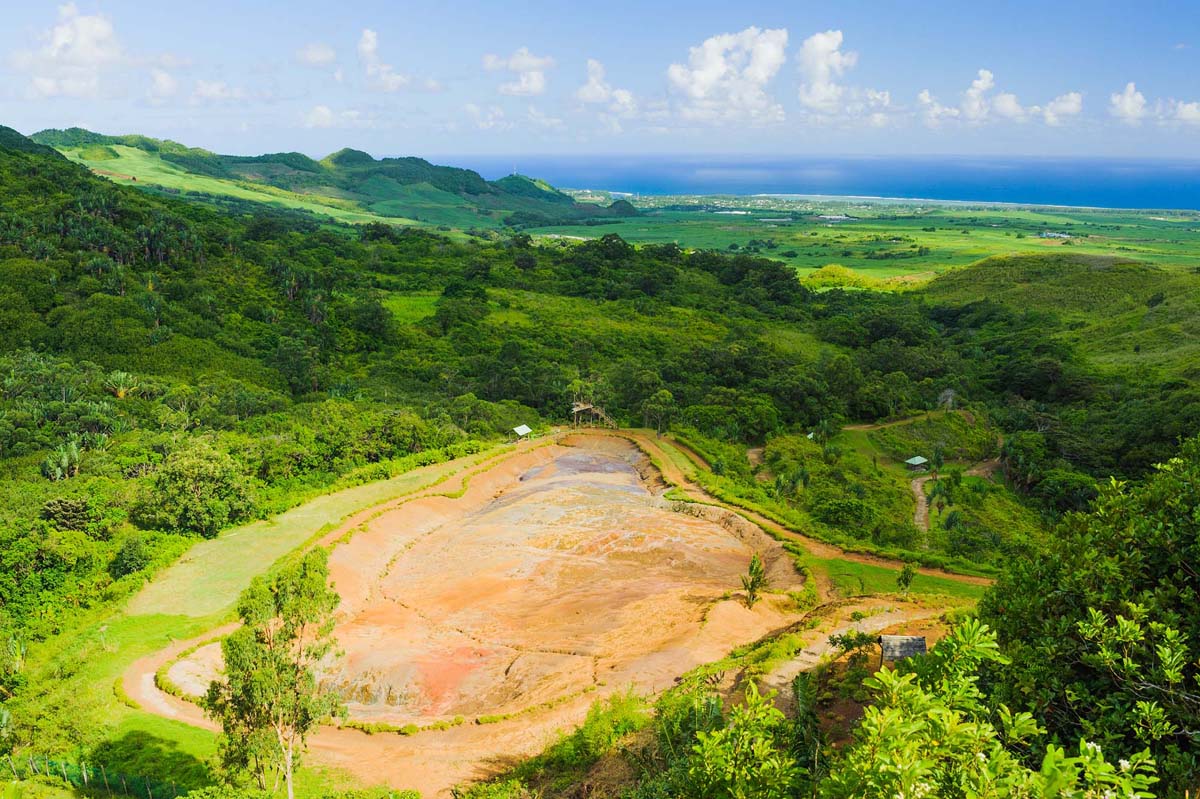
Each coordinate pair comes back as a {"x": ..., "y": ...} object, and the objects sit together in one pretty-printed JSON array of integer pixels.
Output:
[{"x": 558, "y": 577}]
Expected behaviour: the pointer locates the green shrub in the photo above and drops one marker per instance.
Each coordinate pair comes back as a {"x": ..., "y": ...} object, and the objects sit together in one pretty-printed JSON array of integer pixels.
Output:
[{"x": 198, "y": 490}]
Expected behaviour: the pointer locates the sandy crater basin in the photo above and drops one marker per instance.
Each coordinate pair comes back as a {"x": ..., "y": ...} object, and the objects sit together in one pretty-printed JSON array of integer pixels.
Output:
[{"x": 559, "y": 572}]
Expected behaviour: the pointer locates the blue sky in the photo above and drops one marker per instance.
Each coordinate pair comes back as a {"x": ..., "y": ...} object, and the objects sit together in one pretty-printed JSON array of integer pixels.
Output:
[{"x": 787, "y": 78}]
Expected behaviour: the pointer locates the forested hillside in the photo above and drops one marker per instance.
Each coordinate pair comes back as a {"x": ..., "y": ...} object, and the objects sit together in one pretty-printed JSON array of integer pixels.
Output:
[
  {"x": 349, "y": 184},
  {"x": 168, "y": 369}
]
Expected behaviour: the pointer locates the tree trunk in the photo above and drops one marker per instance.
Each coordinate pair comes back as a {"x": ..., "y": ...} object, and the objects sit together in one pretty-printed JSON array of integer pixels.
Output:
[{"x": 287, "y": 772}]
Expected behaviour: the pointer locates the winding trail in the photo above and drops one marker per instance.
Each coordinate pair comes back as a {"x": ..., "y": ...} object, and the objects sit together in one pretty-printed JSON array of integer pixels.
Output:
[
  {"x": 921, "y": 512},
  {"x": 985, "y": 469}
]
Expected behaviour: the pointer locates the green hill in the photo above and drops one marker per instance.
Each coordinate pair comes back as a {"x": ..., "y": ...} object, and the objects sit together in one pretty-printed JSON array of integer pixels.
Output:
[
  {"x": 13, "y": 140},
  {"x": 349, "y": 185},
  {"x": 1119, "y": 312}
]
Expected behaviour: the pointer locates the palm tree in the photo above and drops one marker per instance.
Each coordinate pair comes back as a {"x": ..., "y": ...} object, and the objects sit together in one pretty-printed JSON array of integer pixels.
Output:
[
  {"x": 754, "y": 580},
  {"x": 937, "y": 461},
  {"x": 62, "y": 463},
  {"x": 122, "y": 384}
]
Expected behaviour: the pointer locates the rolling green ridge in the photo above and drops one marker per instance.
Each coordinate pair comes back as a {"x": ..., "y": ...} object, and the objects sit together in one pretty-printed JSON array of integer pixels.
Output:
[{"x": 349, "y": 185}]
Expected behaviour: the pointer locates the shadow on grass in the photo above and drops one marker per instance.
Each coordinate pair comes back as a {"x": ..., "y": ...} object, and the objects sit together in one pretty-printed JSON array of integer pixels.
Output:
[{"x": 143, "y": 756}]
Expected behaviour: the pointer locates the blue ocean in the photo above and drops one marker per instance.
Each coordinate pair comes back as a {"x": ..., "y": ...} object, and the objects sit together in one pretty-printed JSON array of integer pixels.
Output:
[{"x": 1095, "y": 182}]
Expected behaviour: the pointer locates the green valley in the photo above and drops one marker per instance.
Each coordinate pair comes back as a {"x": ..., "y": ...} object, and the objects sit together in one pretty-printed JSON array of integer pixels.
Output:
[{"x": 583, "y": 499}]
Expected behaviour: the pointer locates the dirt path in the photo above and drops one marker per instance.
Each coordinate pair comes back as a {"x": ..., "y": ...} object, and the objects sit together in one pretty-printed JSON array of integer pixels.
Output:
[
  {"x": 868, "y": 426},
  {"x": 986, "y": 469},
  {"x": 921, "y": 513}
]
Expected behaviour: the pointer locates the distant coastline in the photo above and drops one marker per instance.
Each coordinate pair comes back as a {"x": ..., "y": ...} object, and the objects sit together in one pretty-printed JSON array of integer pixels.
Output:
[{"x": 1099, "y": 183}]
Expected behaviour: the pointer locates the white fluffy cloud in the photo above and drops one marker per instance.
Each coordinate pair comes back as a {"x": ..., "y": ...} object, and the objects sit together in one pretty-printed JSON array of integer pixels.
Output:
[
  {"x": 316, "y": 54},
  {"x": 1054, "y": 113},
  {"x": 821, "y": 62},
  {"x": 1129, "y": 105},
  {"x": 598, "y": 91},
  {"x": 1062, "y": 107},
  {"x": 1007, "y": 105},
  {"x": 1186, "y": 112},
  {"x": 612, "y": 105},
  {"x": 487, "y": 118},
  {"x": 726, "y": 77},
  {"x": 821, "y": 94},
  {"x": 322, "y": 116},
  {"x": 216, "y": 91},
  {"x": 933, "y": 111},
  {"x": 978, "y": 105},
  {"x": 975, "y": 101},
  {"x": 529, "y": 69},
  {"x": 163, "y": 86},
  {"x": 382, "y": 76},
  {"x": 72, "y": 55}
]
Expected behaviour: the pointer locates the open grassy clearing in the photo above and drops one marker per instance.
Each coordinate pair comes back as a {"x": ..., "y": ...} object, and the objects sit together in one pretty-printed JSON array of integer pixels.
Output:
[
  {"x": 408, "y": 308},
  {"x": 148, "y": 169},
  {"x": 854, "y": 579}
]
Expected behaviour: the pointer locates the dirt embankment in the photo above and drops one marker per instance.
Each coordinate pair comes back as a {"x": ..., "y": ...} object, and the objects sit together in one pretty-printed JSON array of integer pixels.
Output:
[{"x": 674, "y": 475}]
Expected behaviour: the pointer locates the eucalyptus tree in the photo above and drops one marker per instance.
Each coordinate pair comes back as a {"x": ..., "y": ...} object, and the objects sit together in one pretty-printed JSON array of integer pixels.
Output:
[{"x": 270, "y": 698}]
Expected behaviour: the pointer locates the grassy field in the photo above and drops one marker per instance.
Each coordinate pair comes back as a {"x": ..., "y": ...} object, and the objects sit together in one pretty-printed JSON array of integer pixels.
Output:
[
  {"x": 862, "y": 579},
  {"x": 888, "y": 241},
  {"x": 209, "y": 579},
  {"x": 410, "y": 307},
  {"x": 431, "y": 206},
  {"x": 149, "y": 169}
]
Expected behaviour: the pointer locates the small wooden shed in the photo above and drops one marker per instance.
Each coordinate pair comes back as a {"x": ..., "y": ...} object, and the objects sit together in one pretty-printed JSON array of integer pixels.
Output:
[
  {"x": 522, "y": 431},
  {"x": 917, "y": 463}
]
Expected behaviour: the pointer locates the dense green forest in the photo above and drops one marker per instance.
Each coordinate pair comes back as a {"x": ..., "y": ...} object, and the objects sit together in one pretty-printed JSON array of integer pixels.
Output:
[{"x": 168, "y": 369}]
